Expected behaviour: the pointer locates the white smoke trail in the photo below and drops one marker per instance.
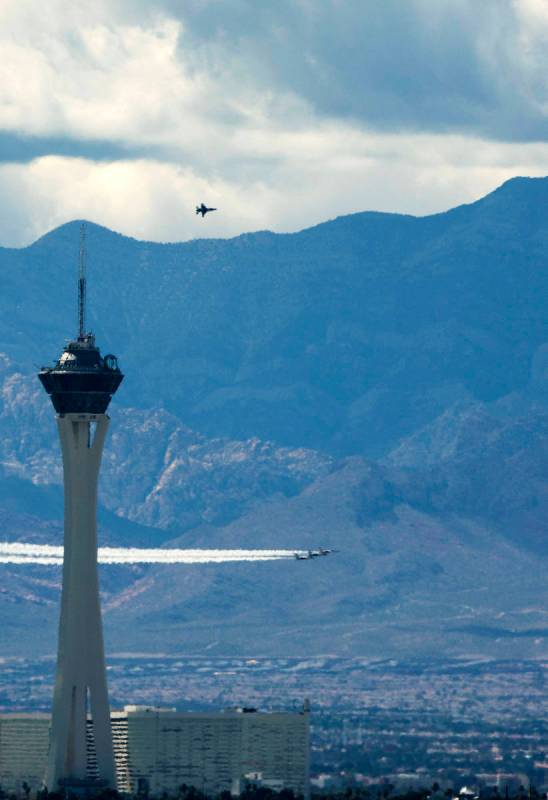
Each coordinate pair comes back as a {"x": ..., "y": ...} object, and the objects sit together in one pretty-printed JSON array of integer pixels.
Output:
[{"x": 19, "y": 553}]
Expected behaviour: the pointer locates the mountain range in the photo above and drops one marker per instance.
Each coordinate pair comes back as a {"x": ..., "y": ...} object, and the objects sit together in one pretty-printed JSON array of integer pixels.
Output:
[{"x": 377, "y": 384}]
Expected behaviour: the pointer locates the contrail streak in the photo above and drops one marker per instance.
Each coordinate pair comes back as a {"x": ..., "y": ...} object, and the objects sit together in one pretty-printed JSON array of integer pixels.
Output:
[{"x": 50, "y": 555}]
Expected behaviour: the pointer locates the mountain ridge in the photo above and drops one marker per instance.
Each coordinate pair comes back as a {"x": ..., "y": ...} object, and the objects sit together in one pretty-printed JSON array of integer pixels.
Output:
[
  {"x": 495, "y": 194},
  {"x": 377, "y": 383}
]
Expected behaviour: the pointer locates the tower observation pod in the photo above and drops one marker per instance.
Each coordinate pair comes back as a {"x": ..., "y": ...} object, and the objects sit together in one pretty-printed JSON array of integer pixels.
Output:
[{"x": 81, "y": 385}]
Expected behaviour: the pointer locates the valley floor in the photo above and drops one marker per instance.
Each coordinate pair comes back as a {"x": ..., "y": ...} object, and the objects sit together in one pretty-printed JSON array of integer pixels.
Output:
[{"x": 448, "y": 720}]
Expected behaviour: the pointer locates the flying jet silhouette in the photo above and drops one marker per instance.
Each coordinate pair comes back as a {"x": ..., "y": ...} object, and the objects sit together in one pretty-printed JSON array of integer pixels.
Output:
[
  {"x": 203, "y": 210},
  {"x": 306, "y": 555}
]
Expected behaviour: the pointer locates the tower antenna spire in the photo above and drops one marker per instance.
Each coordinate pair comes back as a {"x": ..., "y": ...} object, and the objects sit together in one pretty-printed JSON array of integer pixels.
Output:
[{"x": 82, "y": 283}]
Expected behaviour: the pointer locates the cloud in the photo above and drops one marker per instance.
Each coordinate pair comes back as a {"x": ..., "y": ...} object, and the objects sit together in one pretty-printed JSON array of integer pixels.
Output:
[
  {"x": 452, "y": 65},
  {"x": 22, "y": 148},
  {"x": 153, "y": 200},
  {"x": 294, "y": 180},
  {"x": 95, "y": 81},
  {"x": 151, "y": 73},
  {"x": 282, "y": 114}
]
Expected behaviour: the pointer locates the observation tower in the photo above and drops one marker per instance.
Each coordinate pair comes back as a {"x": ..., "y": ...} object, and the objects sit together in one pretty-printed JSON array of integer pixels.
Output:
[{"x": 81, "y": 385}]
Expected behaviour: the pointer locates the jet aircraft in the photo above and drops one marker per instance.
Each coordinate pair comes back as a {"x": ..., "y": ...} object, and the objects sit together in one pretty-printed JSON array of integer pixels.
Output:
[
  {"x": 306, "y": 556},
  {"x": 203, "y": 210}
]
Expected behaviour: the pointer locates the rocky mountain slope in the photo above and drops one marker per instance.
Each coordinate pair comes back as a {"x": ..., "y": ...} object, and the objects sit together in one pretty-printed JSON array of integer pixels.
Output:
[{"x": 378, "y": 383}]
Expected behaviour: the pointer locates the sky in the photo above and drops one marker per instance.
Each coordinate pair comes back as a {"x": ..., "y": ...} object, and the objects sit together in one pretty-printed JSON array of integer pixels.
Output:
[{"x": 282, "y": 113}]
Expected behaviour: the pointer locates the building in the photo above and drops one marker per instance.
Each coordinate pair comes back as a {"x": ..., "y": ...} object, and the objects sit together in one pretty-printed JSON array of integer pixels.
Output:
[
  {"x": 24, "y": 741},
  {"x": 24, "y": 748},
  {"x": 81, "y": 385},
  {"x": 157, "y": 750}
]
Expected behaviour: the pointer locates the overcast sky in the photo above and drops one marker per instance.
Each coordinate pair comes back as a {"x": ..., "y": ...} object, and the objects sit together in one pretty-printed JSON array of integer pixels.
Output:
[{"x": 283, "y": 113}]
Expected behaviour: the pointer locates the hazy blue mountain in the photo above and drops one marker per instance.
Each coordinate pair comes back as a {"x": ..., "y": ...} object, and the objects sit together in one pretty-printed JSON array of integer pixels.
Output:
[
  {"x": 377, "y": 383},
  {"x": 345, "y": 336},
  {"x": 155, "y": 470}
]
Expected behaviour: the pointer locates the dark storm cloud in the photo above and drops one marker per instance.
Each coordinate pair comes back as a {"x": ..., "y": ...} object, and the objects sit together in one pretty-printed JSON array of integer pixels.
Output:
[
  {"x": 18, "y": 148},
  {"x": 422, "y": 65}
]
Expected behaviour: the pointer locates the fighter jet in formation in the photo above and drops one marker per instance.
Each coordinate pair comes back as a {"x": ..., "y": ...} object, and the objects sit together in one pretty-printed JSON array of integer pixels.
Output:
[
  {"x": 322, "y": 551},
  {"x": 308, "y": 554},
  {"x": 203, "y": 210}
]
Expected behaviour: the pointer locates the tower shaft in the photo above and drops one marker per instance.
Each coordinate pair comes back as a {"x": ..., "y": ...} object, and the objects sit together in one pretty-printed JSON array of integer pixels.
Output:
[{"x": 80, "y": 687}]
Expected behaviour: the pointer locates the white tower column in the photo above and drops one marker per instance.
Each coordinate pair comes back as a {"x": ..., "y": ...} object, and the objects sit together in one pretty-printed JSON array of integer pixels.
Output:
[{"x": 81, "y": 686}]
